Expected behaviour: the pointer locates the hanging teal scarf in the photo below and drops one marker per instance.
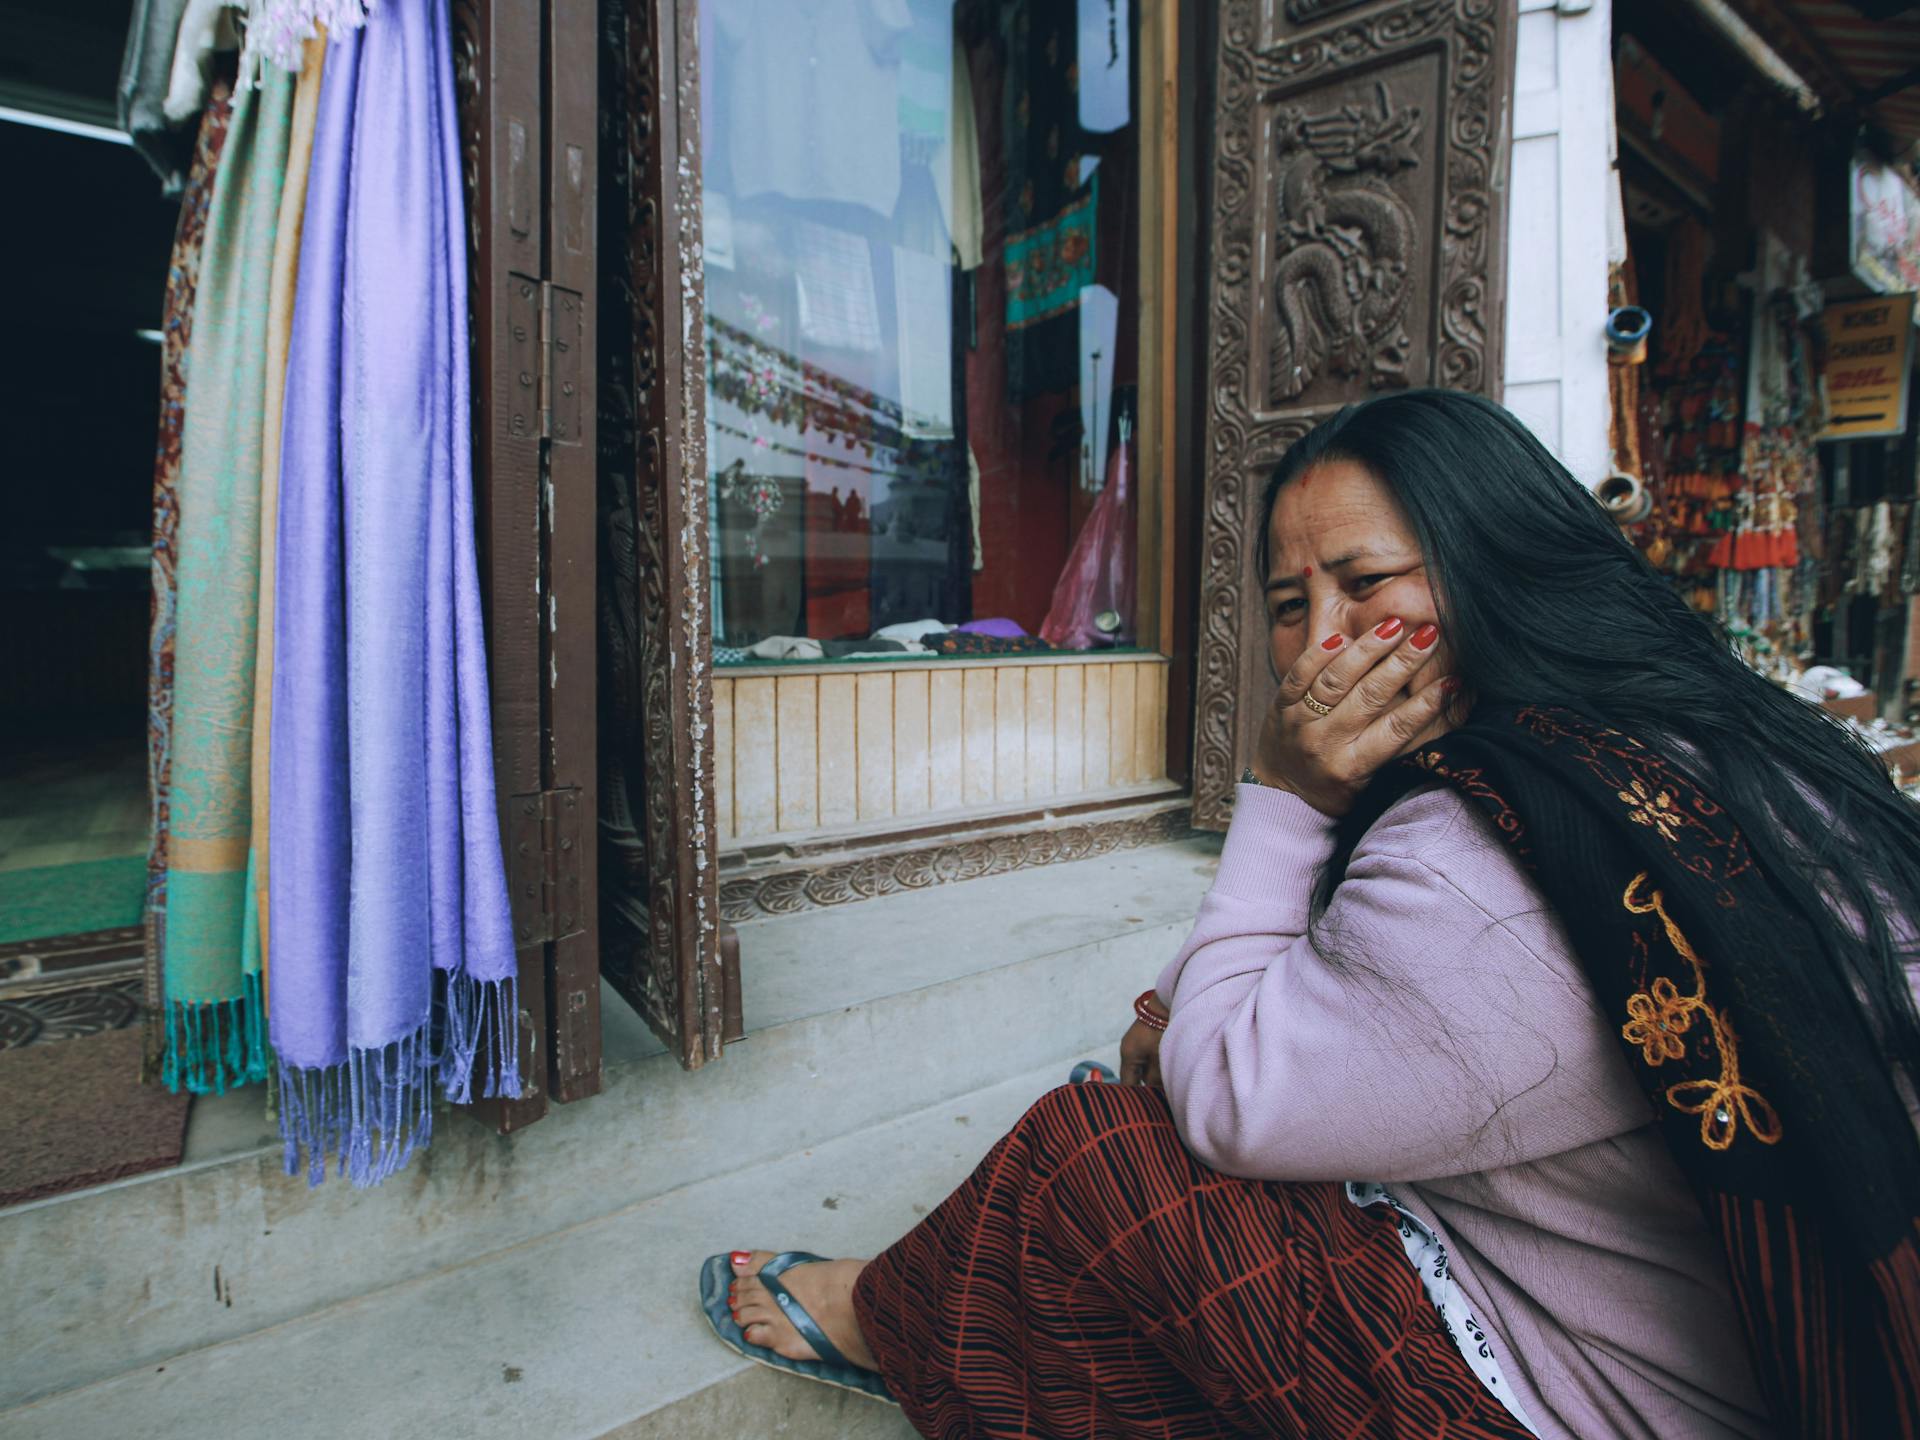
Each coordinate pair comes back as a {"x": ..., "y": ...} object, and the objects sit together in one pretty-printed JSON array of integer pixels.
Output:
[{"x": 214, "y": 1019}]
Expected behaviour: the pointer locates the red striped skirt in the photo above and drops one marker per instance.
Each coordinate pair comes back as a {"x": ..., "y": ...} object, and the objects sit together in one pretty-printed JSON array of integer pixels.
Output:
[{"x": 1092, "y": 1279}]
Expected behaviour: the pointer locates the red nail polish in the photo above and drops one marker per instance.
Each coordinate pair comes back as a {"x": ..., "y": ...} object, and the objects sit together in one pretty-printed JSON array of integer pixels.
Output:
[
  {"x": 1388, "y": 629},
  {"x": 1333, "y": 642},
  {"x": 740, "y": 1257},
  {"x": 1452, "y": 685},
  {"x": 1424, "y": 637}
]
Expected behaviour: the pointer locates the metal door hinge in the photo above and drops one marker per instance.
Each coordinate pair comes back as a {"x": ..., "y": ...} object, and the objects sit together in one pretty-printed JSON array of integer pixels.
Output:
[
  {"x": 544, "y": 399},
  {"x": 560, "y": 340},
  {"x": 545, "y": 330},
  {"x": 544, "y": 856}
]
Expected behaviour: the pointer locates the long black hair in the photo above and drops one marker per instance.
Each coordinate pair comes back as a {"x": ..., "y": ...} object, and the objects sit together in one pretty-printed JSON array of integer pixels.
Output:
[{"x": 1544, "y": 602}]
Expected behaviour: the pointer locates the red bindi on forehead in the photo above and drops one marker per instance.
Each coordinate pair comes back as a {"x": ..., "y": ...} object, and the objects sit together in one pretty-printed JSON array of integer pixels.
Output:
[{"x": 1307, "y": 574}]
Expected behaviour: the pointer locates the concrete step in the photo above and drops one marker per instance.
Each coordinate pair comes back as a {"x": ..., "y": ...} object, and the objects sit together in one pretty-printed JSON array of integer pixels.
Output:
[
  {"x": 594, "y": 1331},
  {"x": 858, "y": 1014}
]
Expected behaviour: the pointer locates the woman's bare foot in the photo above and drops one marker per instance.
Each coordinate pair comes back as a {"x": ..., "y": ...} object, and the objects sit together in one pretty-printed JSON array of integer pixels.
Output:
[{"x": 824, "y": 1290}]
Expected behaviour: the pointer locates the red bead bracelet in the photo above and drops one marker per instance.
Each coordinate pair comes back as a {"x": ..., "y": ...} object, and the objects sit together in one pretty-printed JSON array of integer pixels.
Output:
[{"x": 1144, "y": 1012}]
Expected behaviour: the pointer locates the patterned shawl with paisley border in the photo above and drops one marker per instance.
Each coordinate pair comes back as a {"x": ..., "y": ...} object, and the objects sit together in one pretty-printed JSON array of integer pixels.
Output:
[{"x": 1761, "y": 1063}]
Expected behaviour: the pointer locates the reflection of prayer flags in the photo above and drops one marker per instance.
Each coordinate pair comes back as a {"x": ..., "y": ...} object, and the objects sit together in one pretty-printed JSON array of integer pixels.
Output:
[
  {"x": 837, "y": 306},
  {"x": 1049, "y": 265},
  {"x": 1105, "y": 27}
]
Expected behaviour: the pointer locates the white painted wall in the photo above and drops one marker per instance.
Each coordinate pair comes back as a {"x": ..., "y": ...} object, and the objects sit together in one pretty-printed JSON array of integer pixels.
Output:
[{"x": 1556, "y": 358}]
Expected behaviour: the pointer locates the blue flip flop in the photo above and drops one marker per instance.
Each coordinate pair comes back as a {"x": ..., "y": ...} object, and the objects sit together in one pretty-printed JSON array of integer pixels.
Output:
[
  {"x": 1090, "y": 1070},
  {"x": 833, "y": 1368}
]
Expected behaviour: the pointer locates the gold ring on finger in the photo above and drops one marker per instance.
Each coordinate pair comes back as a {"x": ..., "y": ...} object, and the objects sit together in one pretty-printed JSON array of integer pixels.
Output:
[{"x": 1315, "y": 706}]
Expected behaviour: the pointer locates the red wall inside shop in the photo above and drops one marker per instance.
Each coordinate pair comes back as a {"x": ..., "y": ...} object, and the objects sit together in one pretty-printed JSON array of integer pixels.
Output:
[
  {"x": 1032, "y": 507},
  {"x": 1026, "y": 503}
]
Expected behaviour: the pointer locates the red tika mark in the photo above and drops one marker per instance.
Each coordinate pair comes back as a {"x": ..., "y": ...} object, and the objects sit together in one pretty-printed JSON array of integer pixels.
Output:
[{"x": 1307, "y": 574}]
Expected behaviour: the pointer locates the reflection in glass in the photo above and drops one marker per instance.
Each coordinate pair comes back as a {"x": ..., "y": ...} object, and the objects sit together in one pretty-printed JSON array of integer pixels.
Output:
[{"x": 921, "y": 289}]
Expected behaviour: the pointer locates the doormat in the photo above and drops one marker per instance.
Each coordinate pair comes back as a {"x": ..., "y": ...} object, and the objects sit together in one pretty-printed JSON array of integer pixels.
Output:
[
  {"x": 66, "y": 899},
  {"x": 71, "y": 1012},
  {"x": 75, "y": 1114}
]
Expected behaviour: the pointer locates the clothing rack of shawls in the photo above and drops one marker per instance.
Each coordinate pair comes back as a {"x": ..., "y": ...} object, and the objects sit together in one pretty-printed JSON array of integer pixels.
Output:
[{"x": 327, "y": 906}]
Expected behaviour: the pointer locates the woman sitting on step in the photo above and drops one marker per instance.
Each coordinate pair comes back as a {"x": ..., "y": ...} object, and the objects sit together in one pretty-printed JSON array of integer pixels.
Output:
[{"x": 1541, "y": 1062}]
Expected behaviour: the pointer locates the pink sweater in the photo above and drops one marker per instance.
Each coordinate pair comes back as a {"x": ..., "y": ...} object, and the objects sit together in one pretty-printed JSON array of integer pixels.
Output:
[{"x": 1455, "y": 1051}]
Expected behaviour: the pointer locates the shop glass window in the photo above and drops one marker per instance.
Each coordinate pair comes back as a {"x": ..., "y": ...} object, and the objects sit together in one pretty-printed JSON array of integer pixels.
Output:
[{"x": 921, "y": 298}]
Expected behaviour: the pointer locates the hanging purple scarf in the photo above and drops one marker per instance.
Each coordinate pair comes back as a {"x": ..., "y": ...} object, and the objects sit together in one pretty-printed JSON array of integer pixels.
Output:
[{"x": 392, "y": 950}]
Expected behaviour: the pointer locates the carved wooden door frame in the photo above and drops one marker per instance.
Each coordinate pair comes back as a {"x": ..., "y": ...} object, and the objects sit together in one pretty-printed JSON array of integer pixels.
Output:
[
  {"x": 1324, "y": 98},
  {"x": 661, "y": 944}
]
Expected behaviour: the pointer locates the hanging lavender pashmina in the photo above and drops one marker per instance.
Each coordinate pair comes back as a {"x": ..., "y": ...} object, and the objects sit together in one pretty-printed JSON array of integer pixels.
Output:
[{"x": 392, "y": 950}]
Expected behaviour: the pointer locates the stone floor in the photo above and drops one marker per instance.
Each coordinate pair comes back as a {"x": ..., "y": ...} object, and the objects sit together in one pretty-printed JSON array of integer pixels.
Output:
[{"x": 545, "y": 1283}]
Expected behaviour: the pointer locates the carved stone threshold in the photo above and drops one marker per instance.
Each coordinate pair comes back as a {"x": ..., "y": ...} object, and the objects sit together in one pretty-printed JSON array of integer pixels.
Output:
[
  {"x": 889, "y": 865},
  {"x": 817, "y": 844}
]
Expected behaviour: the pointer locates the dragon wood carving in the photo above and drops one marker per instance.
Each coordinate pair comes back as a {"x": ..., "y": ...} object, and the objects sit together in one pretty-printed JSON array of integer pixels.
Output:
[
  {"x": 1344, "y": 277},
  {"x": 1453, "y": 58}
]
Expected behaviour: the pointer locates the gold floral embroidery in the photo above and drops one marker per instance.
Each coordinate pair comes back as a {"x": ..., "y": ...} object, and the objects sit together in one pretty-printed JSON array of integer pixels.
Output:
[
  {"x": 1660, "y": 1017},
  {"x": 1661, "y": 1014},
  {"x": 1647, "y": 808}
]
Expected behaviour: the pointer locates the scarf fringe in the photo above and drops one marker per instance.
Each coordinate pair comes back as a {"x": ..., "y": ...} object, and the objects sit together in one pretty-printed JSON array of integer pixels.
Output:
[
  {"x": 276, "y": 29},
  {"x": 481, "y": 1014},
  {"x": 216, "y": 1046},
  {"x": 1821, "y": 1242},
  {"x": 375, "y": 1108},
  {"x": 371, "y": 1111}
]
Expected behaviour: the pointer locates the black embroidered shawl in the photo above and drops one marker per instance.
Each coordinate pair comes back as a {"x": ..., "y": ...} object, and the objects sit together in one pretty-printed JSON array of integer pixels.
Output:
[{"x": 1755, "y": 1052}]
